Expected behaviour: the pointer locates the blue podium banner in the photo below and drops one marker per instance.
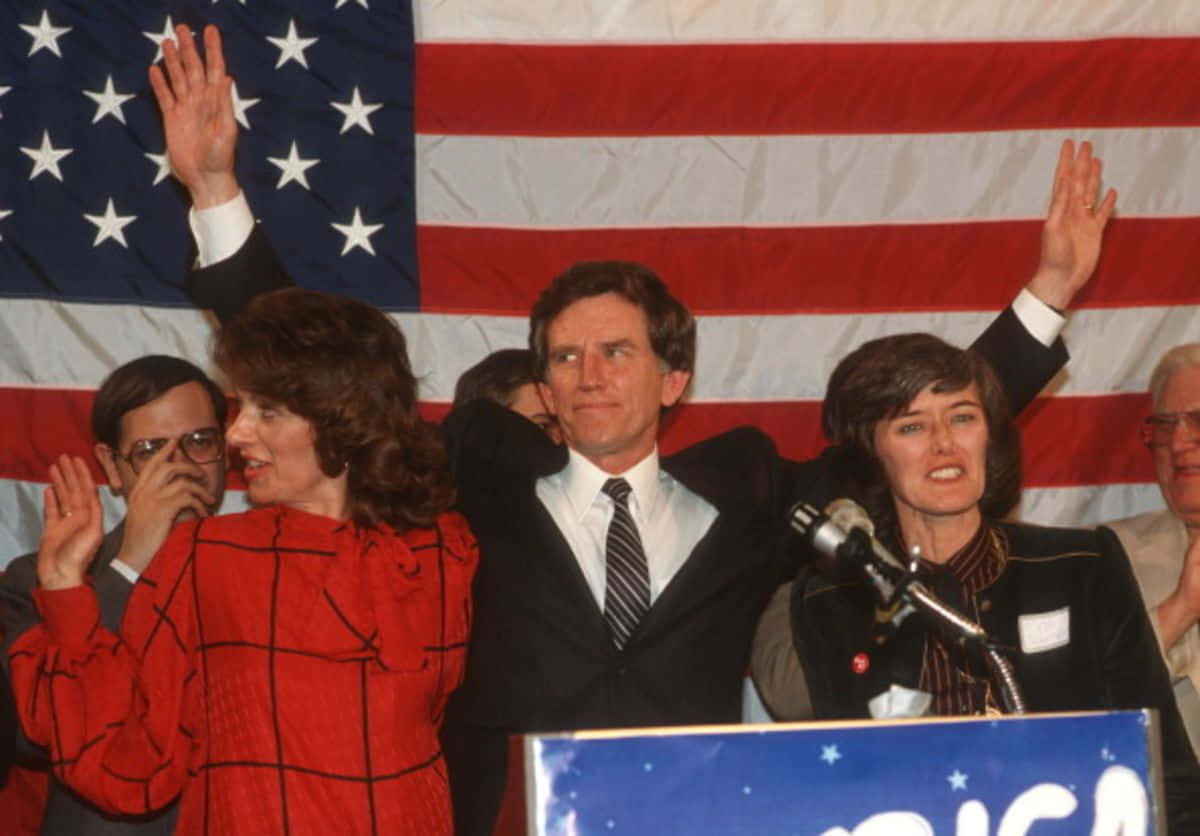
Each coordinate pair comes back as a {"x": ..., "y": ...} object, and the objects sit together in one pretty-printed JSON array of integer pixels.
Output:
[{"x": 1045, "y": 775}]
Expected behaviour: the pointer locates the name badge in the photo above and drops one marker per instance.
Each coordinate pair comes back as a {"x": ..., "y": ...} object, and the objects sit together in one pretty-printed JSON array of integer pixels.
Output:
[{"x": 1044, "y": 630}]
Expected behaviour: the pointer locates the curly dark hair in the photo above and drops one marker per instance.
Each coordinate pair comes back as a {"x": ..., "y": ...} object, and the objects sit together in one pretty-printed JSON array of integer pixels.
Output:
[
  {"x": 876, "y": 382},
  {"x": 343, "y": 365},
  {"x": 672, "y": 328}
]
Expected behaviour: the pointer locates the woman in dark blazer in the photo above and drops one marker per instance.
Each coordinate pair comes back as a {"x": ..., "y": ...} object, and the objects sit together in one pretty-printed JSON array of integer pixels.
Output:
[{"x": 925, "y": 443}]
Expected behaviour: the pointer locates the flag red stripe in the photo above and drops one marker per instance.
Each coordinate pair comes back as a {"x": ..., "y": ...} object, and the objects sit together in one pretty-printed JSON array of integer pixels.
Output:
[
  {"x": 810, "y": 88},
  {"x": 1067, "y": 441},
  {"x": 859, "y": 269}
]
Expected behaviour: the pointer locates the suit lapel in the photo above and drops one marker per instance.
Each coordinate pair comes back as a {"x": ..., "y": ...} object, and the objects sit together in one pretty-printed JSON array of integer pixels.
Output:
[{"x": 562, "y": 590}]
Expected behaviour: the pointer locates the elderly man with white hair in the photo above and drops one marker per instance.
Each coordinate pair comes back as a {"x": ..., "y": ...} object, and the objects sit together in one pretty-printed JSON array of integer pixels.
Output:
[{"x": 1163, "y": 545}]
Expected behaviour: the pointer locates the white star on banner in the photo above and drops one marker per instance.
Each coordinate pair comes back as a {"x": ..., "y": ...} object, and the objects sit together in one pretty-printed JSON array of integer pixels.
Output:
[
  {"x": 357, "y": 233},
  {"x": 4, "y": 213},
  {"x": 341, "y": 3},
  {"x": 292, "y": 46},
  {"x": 46, "y": 158},
  {"x": 830, "y": 754},
  {"x": 110, "y": 224},
  {"x": 164, "y": 167},
  {"x": 108, "y": 102},
  {"x": 356, "y": 113},
  {"x": 3, "y": 90},
  {"x": 292, "y": 167},
  {"x": 958, "y": 780},
  {"x": 240, "y": 106},
  {"x": 45, "y": 35},
  {"x": 157, "y": 38}
]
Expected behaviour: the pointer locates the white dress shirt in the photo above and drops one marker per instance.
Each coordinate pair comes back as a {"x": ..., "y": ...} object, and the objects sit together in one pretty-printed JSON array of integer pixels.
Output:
[{"x": 670, "y": 518}]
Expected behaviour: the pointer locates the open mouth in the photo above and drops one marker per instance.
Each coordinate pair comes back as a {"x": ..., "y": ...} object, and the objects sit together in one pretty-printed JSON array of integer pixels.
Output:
[{"x": 946, "y": 474}]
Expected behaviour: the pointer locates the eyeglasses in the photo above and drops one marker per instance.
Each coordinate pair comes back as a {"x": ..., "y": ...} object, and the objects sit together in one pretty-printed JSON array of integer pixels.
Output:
[
  {"x": 1159, "y": 429},
  {"x": 202, "y": 446}
]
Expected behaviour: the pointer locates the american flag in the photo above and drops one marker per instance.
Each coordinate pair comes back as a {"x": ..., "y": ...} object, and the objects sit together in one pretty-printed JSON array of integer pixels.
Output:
[{"x": 805, "y": 175}]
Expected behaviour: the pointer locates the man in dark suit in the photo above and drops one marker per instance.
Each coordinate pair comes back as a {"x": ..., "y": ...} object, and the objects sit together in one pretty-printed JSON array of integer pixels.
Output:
[
  {"x": 159, "y": 426},
  {"x": 614, "y": 589}
]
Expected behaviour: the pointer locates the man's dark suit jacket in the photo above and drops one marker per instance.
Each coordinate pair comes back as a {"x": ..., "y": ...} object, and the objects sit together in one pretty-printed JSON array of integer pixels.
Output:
[
  {"x": 540, "y": 658},
  {"x": 66, "y": 812}
]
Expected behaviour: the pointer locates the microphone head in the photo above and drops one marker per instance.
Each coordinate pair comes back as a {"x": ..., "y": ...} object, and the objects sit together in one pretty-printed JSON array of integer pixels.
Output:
[{"x": 848, "y": 514}]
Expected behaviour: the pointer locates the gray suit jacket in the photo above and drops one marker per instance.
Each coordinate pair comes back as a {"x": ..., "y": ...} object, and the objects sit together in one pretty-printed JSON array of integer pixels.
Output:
[
  {"x": 1156, "y": 544},
  {"x": 66, "y": 812}
]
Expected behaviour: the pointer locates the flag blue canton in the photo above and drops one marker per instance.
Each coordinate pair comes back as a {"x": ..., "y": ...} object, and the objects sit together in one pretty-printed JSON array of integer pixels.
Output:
[{"x": 325, "y": 146}]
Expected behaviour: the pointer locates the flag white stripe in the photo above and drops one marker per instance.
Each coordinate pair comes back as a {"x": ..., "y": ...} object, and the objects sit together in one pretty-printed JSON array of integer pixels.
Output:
[
  {"x": 684, "y": 21},
  {"x": 740, "y": 358},
  {"x": 634, "y": 182}
]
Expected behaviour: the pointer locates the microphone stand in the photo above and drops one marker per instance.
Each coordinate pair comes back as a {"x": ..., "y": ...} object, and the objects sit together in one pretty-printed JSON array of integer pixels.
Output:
[{"x": 857, "y": 548}]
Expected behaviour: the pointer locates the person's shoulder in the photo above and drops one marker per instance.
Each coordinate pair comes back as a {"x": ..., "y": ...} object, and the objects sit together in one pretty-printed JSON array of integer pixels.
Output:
[
  {"x": 449, "y": 532},
  {"x": 738, "y": 466},
  {"x": 1148, "y": 526},
  {"x": 1040, "y": 542}
]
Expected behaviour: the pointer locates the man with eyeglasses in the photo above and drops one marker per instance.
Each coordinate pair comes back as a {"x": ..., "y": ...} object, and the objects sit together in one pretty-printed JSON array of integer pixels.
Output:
[
  {"x": 159, "y": 425},
  {"x": 1163, "y": 545}
]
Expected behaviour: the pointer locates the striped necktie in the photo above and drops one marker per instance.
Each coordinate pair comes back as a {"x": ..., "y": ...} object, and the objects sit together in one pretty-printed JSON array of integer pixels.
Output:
[{"x": 627, "y": 577}]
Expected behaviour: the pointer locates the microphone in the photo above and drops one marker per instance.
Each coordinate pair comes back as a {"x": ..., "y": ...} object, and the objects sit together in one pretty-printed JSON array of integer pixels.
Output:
[{"x": 844, "y": 532}]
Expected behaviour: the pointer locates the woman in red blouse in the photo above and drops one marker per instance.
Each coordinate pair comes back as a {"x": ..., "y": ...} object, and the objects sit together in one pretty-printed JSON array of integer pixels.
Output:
[{"x": 285, "y": 669}]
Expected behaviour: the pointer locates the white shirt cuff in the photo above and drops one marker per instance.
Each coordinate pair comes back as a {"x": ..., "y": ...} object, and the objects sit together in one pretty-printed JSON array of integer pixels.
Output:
[
  {"x": 221, "y": 231},
  {"x": 124, "y": 570},
  {"x": 1039, "y": 319}
]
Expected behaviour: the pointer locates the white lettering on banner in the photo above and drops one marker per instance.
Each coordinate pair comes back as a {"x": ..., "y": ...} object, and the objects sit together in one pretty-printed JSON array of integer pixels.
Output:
[{"x": 1122, "y": 809}]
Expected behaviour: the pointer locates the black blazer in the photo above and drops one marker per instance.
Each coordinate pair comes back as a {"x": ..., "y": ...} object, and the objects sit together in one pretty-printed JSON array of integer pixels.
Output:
[
  {"x": 1111, "y": 660},
  {"x": 540, "y": 657}
]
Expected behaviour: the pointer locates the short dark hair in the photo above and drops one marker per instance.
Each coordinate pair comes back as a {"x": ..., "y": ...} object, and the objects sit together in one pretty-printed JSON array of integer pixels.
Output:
[
  {"x": 343, "y": 365},
  {"x": 496, "y": 377},
  {"x": 672, "y": 328},
  {"x": 876, "y": 382},
  {"x": 141, "y": 381}
]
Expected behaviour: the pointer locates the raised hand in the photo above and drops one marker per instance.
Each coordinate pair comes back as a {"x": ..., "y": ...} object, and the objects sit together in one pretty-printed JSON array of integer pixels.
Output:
[
  {"x": 1074, "y": 226},
  {"x": 196, "y": 101},
  {"x": 72, "y": 525},
  {"x": 164, "y": 489},
  {"x": 1181, "y": 609}
]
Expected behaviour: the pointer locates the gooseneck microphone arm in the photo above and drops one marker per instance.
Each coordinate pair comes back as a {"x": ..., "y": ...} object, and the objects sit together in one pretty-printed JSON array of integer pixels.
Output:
[{"x": 894, "y": 582}]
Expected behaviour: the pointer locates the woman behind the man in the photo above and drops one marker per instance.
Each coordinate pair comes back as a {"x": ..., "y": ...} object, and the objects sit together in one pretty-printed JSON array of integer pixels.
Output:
[
  {"x": 927, "y": 446},
  {"x": 286, "y": 668}
]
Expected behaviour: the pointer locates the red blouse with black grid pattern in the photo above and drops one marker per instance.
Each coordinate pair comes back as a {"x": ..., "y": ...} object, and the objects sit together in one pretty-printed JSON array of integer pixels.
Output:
[{"x": 286, "y": 672}]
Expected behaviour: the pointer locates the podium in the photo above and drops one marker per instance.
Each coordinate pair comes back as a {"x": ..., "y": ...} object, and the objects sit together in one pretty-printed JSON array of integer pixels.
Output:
[{"x": 1096, "y": 772}]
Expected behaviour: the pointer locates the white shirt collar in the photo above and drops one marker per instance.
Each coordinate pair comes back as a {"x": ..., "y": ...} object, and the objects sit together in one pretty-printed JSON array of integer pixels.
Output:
[{"x": 582, "y": 481}]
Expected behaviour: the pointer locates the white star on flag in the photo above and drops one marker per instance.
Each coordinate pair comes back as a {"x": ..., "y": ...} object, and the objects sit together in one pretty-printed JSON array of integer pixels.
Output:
[
  {"x": 110, "y": 224},
  {"x": 830, "y": 754},
  {"x": 357, "y": 233},
  {"x": 3, "y": 90},
  {"x": 45, "y": 35},
  {"x": 46, "y": 158},
  {"x": 356, "y": 113},
  {"x": 4, "y": 213},
  {"x": 958, "y": 780},
  {"x": 157, "y": 38},
  {"x": 240, "y": 106},
  {"x": 164, "y": 167},
  {"x": 341, "y": 3},
  {"x": 292, "y": 46},
  {"x": 108, "y": 102},
  {"x": 292, "y": 167}
]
